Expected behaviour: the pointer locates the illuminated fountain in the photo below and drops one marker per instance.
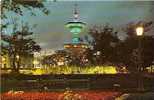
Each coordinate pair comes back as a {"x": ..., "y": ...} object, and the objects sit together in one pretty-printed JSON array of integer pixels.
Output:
[{"x": 76, "y": 27}]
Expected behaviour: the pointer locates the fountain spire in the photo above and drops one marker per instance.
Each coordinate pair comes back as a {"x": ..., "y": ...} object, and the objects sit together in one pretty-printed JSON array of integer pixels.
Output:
[{"x": 76, "y": 13}]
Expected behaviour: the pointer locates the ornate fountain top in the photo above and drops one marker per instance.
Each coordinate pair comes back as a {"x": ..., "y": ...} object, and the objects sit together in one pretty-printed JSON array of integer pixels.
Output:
[
  {"x": 76, "y": 13},
  {"x": 75, "y": 27}
]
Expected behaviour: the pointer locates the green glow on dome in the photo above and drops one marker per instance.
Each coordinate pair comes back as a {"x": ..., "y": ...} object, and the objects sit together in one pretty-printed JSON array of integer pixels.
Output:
[
  {"x": 75, "y": 30},
  {"x": 75, "y": 27},
  {"x": 75, "y": 24},
  {"x": 75, "y": 40}
]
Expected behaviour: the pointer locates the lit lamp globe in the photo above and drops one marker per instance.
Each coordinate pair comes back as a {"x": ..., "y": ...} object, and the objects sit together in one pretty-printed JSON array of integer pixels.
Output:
[
  {"x": 139, "y": 31},
  {"x": 17, "y": 56}
]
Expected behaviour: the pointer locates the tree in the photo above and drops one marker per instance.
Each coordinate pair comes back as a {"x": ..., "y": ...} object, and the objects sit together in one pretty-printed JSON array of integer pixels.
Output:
[
  {"x": 129, "y": 51},
  {"x": 64, "y": 57},
  {"x": 17, "y": 6},
  {"x": 19, "y": 44},
  {"x": 58, "y": 56},
  {"x": 49, "y": 60},
  {"x": 104, "y": 41}
]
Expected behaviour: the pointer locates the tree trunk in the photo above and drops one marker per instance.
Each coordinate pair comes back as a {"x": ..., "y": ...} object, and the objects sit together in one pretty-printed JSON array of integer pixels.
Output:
[
  {"x": 13, "y": 63},
  {"x": 18, "y": 65}
]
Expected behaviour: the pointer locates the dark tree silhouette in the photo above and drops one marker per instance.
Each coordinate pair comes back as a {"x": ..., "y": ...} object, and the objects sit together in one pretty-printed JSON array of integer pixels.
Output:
[
  {"x": 103, "y": 42},
  {"x": 19, "y": 44},
  {"x": 17, "y": 6},
  {"x": 59, "y": 55},
  {"x": 129, "y": 48}
]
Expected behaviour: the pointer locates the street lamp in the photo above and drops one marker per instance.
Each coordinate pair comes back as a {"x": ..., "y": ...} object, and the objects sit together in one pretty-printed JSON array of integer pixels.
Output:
[
  {"x": 97, "y": 54},
  {"x": 139, "y": 32},
  {"x": 17, "y": 56}
]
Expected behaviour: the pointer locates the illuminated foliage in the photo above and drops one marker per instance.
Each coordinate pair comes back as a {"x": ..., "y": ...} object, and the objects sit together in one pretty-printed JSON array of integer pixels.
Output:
[{"x": 76, "y": 70}]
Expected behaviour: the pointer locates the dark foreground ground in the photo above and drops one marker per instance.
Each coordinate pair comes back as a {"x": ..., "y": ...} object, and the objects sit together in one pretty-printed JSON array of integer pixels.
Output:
[
  {"x": 120, "y": 82},
  {"x": 136, "y": 96},
  {"x": 94, "y": 87}
]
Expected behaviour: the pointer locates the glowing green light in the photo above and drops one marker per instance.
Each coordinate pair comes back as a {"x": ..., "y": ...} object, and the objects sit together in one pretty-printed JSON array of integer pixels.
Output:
[
  {"x": 75, "y": 40},
  {"x": 75, "y": 30},
  {"x": 80, "y": 25}
]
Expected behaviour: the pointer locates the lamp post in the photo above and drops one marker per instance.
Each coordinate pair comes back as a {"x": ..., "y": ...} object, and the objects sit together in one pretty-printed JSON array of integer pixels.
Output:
[
  {"x": 97, "y": 54},
  {"x": 139, "y": 31}
]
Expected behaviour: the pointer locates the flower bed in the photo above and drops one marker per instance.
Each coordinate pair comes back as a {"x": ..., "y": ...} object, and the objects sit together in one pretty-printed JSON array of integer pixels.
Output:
[{"x": 67, "y": 95}]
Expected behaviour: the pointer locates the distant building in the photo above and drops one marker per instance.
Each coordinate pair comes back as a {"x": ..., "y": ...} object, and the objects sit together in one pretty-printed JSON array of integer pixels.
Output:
[
  {"x": 26, "y": 61},
  {"x": 4, "y": 61}
]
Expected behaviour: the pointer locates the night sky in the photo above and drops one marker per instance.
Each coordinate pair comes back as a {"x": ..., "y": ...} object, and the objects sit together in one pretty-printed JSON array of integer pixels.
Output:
[{"x": 51, "y": 33}]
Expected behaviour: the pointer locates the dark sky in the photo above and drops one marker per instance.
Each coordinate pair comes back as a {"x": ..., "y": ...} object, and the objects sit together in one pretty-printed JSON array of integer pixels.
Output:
[{"x": 51, "y": 33}]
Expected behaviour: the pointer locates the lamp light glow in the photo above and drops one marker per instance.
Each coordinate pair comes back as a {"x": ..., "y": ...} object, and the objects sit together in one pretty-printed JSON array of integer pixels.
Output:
[
  {"x": 139, "y": 31},
  {"x": 17, "y": 56}
]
